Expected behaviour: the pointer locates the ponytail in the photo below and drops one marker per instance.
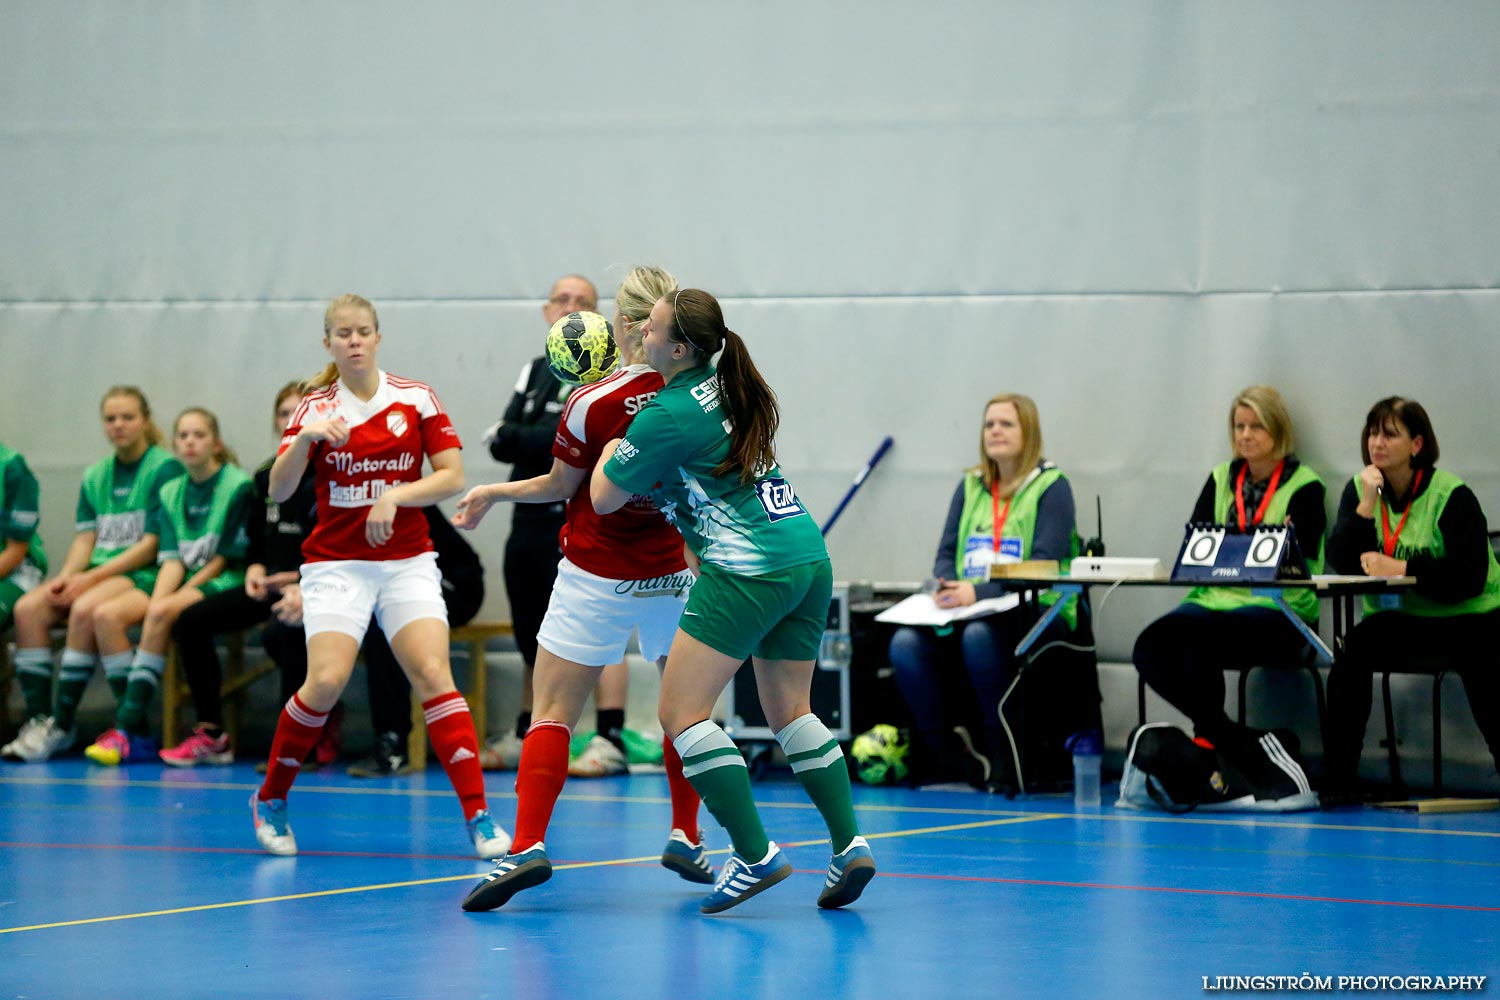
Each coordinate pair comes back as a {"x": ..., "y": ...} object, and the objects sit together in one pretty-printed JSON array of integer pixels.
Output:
[
  {"x": 753, "y": 413},
  {"x": 328, "y": 376},
  {"x": 748, "y": 401}
]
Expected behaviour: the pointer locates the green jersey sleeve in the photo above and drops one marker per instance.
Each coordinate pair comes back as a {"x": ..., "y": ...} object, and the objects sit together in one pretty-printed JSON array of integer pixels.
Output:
[
  {"x": 19, "y": 519},
  {"x": 654, "y": 445}
]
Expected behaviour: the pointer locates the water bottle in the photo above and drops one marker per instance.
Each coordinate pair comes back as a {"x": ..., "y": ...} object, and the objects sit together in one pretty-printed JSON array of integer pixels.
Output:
[{"x": 1088, "y": 756}]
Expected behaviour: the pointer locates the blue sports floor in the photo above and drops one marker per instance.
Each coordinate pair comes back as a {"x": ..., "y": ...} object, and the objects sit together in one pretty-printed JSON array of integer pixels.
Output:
[{"x": 146, "y": 882}]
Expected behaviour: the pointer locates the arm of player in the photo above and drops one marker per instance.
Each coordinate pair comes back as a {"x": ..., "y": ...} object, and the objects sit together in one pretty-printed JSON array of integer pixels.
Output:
[
  {"x": 445, "y": 479},
  {"x": 291, "y": 460},
  {"x": 607, "y": 497},
  {"x": 560, "y": 483},
  {"x": 15, "y": 551}
]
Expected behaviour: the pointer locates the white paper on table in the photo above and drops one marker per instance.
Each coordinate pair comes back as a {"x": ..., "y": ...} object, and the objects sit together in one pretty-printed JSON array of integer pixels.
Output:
[{"x": 919, "y": 609}]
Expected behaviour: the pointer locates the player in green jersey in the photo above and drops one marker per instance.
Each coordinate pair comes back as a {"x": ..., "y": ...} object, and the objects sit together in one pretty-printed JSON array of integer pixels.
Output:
[
  {"x": 201, "y": 524},
  {"x": 23, "y": 562},
  {"x": 113, "y": 552},
  {"x": 702, "y": 450}
]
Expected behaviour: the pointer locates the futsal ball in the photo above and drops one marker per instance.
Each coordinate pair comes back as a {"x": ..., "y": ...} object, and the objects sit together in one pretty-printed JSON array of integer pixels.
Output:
[
  {"x": 581, "y": 348},
  {"x": 879, "y": 755}
]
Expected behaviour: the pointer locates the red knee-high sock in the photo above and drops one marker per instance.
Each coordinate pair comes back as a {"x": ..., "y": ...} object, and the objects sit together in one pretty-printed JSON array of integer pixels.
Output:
[
  {"x": 539, "y": 780},
  {"x": 450, "y": 727},
  {"x": 296, "y": 732},
  {"x": 684, "y": 796}
]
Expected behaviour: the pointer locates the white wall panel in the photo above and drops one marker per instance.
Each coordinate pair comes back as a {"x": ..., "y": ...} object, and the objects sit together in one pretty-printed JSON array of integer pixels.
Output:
[{"x": 1129, "y": 211}]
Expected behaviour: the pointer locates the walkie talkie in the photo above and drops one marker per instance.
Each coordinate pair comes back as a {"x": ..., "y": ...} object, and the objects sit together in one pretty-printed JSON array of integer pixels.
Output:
[{"x": 1095, "y": 546}]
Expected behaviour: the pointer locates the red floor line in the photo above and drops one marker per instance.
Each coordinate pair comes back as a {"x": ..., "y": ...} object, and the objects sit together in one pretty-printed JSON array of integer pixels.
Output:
[
  {"x": 1290, "y": 897},
  {"x": 170, "y": 849}
]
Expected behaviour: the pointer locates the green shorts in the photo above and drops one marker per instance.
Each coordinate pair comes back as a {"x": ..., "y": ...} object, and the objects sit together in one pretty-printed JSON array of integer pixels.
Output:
[
  {"x": 227, "y": 580},
  {"x": 143, "y": 578},
  {"x": 778, "y": 616}
]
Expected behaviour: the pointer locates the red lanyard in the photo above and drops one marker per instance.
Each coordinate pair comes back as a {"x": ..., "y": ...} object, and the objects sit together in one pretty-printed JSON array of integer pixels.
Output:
[
  {"x": 1385, "y": 516},
  {"x": 997, "y": 517},
  {"x": 1265, "y": 501}
]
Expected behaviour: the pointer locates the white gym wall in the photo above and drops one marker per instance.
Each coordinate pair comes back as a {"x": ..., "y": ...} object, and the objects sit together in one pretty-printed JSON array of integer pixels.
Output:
[{"x": 1128, "y": 211}]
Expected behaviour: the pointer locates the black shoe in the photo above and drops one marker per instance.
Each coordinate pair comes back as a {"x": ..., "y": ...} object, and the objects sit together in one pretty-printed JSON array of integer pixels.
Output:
[
  {"x": 388, "y": 760},
  {"x": 1271, "y": 768}
]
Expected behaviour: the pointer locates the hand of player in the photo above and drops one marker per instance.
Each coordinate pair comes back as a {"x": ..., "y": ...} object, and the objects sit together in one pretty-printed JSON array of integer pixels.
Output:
[
  {"x": 58, "y": 587},
  {"x": 335, "y": 431},
  {"x": 380, "y": 523},
  {"x": 471, "y": 509},
  {"x": 954, "y": 594},
  {"x": 288, "y": 610},
  {"x": 68, "y": 588},
  {"x": 255, "y": 583}
]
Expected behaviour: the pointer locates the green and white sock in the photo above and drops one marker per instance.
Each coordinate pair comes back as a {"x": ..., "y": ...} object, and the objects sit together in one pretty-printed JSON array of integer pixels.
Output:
[
  {"x": 72, "y": 677},
  {"x": 716, "y": 769},
  {"x": 145, "y": 678},
  {"x": 819, "y": 764},
  {"x": 34, "y": 673},
  {"x": 117, "y": 671}
]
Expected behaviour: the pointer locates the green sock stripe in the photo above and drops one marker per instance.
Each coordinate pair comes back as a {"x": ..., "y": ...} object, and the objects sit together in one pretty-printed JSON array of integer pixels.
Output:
[
  {"x": 792, "y": 758},
  {"x": 815, "y": 759},
  {"x": 703, "y": 763},
  {"x": 26, "y": 668}
]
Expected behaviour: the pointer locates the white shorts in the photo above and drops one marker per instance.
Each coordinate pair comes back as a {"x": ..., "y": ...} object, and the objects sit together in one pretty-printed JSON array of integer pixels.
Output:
[
  {"x": 340, "y": 595},
  {"x": 589, "y": 618}
]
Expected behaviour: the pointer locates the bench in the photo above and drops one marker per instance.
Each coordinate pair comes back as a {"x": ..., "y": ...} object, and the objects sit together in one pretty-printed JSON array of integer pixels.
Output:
[{"x": 237, "y": 678}]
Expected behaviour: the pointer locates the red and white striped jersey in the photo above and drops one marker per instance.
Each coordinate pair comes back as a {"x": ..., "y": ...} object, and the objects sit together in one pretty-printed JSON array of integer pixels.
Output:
[
  {"x": 389, "y": 436},
  {"x": 636, "y": 542}
]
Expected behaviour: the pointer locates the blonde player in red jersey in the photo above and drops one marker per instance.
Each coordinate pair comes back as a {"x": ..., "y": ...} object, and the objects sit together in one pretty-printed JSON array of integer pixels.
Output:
[
  {"x": 365, "y": 433},
  {"x": 619, "y": 573}
]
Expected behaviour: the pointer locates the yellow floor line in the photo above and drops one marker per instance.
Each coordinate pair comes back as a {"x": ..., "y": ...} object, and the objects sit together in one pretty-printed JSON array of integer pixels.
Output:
[{"x": 471, "y": 877}]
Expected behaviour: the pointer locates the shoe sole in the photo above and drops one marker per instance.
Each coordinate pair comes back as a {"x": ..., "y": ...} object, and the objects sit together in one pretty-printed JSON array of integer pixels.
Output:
[
  {"x": 213, "y": 758},
  {"x": 495, "y": 894},
  {"x": 686, "y": 869},
  {"x": 755, "y": 890},
  {"x": 103, "y": 758},
  {"x": 857, "y": 875}
]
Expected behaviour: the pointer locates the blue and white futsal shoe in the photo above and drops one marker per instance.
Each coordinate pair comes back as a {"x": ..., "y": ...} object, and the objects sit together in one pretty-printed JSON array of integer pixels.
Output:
[
  {"x": 272, "y": 831},
  {"x": 739, "y": 880},
  {"x": 490, "y": 839},
  {"x": 687, "y": 859},
  {"x": 514, "y": 872},
  {"x": 848, "y": 874}
]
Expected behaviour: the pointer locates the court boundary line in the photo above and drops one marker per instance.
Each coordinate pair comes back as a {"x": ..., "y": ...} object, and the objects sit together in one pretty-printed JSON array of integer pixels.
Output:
[
  {"x": 1256, "y": 821},
  {"x": 470, "y": 876},
  {"x": 625, "y": 862}
]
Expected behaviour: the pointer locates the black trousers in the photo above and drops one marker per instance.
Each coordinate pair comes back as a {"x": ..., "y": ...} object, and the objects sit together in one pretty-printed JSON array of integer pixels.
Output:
[
  {"x": 1391, "y": 640},
  {"x": 194, "y": 632},
  {"x": 531, "y": 558},
  {"x": 1183, "y": 655},
  {"x": 389, "y": 690}
]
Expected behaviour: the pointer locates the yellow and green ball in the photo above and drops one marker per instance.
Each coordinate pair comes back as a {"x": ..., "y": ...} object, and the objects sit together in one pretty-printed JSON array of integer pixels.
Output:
[
  {"x": 879, "y": 755},
  {"x": 581, "y": 348}
]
